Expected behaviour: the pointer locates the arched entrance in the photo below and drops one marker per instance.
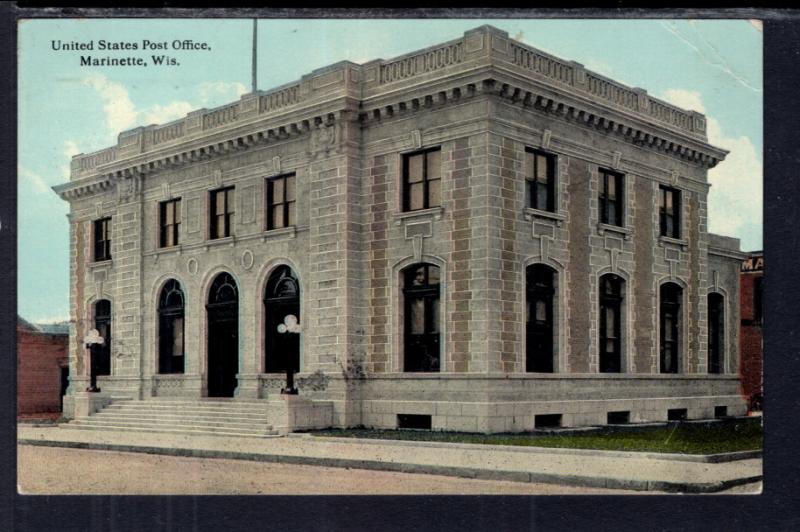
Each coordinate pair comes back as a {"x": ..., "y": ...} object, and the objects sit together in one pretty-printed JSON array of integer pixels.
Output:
[
  {"x": 223, "y": 336},
  {"x": 281, "y": 298}
]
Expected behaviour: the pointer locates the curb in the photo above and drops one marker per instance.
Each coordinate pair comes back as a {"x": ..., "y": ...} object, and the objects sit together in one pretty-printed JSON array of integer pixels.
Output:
[
  {"x": 701, "y": 458},
  {"x": 377, "y": 465}
]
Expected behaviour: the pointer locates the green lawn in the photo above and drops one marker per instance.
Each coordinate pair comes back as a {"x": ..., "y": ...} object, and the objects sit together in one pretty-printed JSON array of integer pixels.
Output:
[{"x": 678, "y": 438}]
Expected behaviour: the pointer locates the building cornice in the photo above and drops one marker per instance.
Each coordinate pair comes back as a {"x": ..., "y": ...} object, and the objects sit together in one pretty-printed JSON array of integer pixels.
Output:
[{"x": 484, "y": 61}]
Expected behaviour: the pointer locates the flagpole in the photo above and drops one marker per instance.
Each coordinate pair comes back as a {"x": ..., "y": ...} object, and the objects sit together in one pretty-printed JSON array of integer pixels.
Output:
[{"x": 255, "y": 55}]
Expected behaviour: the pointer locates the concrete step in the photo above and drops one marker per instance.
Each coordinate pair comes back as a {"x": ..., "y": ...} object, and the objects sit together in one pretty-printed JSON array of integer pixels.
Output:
[
  {"x": 165, "y": 430},
  {"x": 180, "y": 407},
  {"x": 194, "y": 422},
  {"x": 148, "y": 426},
  {"x": 197, "y": 416},
  {"x": 260, "y": 403},
  {"x": 182, "y": 416}
]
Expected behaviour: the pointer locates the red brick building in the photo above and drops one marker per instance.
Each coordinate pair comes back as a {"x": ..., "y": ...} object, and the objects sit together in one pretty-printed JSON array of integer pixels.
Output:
[
  {"x": 42, "y": 367},
  {"x": 751, "y": 360}
]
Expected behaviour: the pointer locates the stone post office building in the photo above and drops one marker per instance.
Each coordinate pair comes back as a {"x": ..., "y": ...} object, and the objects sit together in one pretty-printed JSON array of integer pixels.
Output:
[{"x": 477, "y": 236}]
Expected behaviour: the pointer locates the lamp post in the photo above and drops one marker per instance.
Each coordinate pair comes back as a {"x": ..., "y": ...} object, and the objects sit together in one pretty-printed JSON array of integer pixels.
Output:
[
  {"x": 289, "y": 326},
  {"x": 90, "y": 340}
]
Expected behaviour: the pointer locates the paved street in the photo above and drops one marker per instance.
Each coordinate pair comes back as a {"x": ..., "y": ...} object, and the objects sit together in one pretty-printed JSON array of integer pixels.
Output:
[{"x": 53, "y": 470}]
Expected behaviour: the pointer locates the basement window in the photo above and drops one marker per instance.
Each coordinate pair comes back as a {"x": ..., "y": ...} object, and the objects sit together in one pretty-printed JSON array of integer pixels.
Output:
[
  {"x": 618, "y": 418},
  {"x": 676, "y": 414},
  {"x": 413, "y": 421},
  {"x": 544, "y": 421},
  {"x": 720, "y": 411}
]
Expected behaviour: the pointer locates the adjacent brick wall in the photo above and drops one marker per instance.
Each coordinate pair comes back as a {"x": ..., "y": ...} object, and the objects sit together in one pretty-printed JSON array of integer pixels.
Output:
[
  {"x": 40, "y": 358},
  {"x": 751, "y": 359}
]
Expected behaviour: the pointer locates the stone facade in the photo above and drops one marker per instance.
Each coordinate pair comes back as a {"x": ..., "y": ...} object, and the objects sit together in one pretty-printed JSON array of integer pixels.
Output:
[{"x": 343, "y": 131}]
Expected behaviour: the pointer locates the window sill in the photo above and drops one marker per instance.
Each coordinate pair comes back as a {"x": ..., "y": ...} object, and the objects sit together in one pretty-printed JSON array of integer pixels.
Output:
[
  {"x": 531, "y": 213},
  {"x": 602, "y": 229},
  {"x": 229, "y": 240},
  {"x": 177, "y": 249},
  {"x": 684, "y": 244},
  {"x": 289, "y": 232},
  {"x": 101, "y": 263},
  {"x": 433, "y": 212}
]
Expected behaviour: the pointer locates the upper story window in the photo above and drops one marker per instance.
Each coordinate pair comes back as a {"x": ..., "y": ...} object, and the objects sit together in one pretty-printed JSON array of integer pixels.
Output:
[
  {"x": 422, "y": 183},
  {"x": 102, "y": 239},
  {"x": 670, "y": 211},
  {"x": 222, "y": 213},
  {"x": 612, "y": 197},
  {"x": 169, "y": 222},
  {"x": 540, "y": 177},
  {"x": 280, "y": 201}
]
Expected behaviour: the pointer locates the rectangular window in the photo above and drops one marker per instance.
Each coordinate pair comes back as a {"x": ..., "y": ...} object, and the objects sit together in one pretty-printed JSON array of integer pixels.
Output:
[
  {"x": 670, "y": 212},
  {"x": 280, "y": 202},
  {"x": 758, "y": 300},
  {"x": 222, "y": 213},
  {"x": 169, "y": 222},
  {"x": 414, "y": 421},
  {"x": 612, "y": 198},
  {"x": 540, "y": 177},
  {"x": 102, "y": 239},
  {"x": 422, "y": 183}
]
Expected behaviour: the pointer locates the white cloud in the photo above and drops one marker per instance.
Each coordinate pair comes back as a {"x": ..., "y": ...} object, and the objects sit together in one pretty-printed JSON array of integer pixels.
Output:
[
  {"x": 121, "y": 113},
  {"x": 685, "y": 99},
  {"x": 70, "y": 149},
  {"x": 160, "y": 114},
  {"x": 217, "y": 92},
  {"x": 38, "y": 183},
  {"x": 117, "y": 105},
  {"x": 736, "y": 195}
]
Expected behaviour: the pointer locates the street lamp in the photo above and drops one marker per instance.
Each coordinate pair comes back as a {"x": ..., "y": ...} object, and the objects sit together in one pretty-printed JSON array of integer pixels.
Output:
[
  {"x": 90, "y": 340},
  {"x": 289, "y": 326}
]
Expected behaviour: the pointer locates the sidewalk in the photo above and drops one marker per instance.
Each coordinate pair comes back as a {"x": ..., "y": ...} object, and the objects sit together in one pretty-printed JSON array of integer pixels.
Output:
[{"x": 606, "y": 469}]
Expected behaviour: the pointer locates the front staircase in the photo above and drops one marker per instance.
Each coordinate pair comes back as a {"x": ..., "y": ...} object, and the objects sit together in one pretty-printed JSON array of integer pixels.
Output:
[{"x": 182, "y": 416}]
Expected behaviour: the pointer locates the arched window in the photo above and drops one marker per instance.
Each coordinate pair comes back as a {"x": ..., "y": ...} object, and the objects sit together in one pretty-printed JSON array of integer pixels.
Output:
[
  {"x": 170, "y": 328},
  {"x": 101, "y": 353},
  {"x": 223, "y": 291},
  {"x": 281, "y": 299},
  {"x": 540, "y": 289},
  {"x": 716, "y": 333},
  {"x": 421, "y": 317},
  {"x": 670, "y": 316},
  {"x": 611, "y": 293}
]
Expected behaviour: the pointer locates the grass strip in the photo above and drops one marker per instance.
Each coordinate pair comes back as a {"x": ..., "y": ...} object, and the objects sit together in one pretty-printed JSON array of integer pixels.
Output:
[{"x": 683, "y": 438}]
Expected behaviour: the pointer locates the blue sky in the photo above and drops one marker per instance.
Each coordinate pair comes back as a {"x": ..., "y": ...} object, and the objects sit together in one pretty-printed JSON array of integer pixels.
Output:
[{"x": 711, "y": 66}]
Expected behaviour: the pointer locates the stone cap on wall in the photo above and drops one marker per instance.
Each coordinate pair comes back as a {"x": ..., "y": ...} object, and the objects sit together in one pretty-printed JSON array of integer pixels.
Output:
[
  {"x": 725, "y": 246},
  {"x": 482, "y": 47}
]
